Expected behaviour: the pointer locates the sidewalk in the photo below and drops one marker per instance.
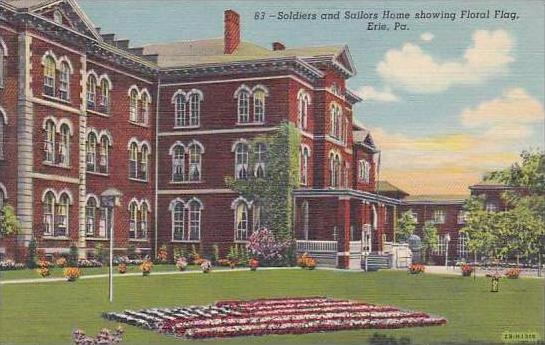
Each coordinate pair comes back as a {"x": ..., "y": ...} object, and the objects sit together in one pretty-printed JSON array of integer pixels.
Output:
[{"x": 480, "y": 271}]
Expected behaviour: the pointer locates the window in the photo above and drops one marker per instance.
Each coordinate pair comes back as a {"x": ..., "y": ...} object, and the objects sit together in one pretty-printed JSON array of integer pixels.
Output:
[
  {"x": 303, "y": 104},
  {"x": 64, "y": 147},
  {"x": 364, "y": 170},
  {"x": 257, "y": 213},
  {"x": 305, "y": 154},
  {"x": 414, "y": 215},
  {"x": 194, "y": 109},
  {"x": 346, "y": 175},
  {"x": 241, "y": 161},
  {"x": 259, "y": 106},
  {"x": 91, "y": 91},
  {"x": 491, "y": 206},
  {"x": 91, "y": 152},
  {"x": 144, "y": 118},
  {"x": 195, "y": 208},
  {"x": 144, "y": 163},
  {"x": 334, "y": 170},
  {"x": 64, "y": 82},
  {"x": 2, "y": 198},
  {"x": 61, "y": 216},
  {"x": 195, "y": 160},
  {"x": 2, "y": 125},
  {"x": 305, "y": 212},
  {"x": 462, "y": 217},
  {"x": 105, "y": 96},
  {"x": 90, "y": 217},
  {"x": 180, "y": 116},
  {"x": 57, "y": 17},
  {"x": 441, "y": 246},
  {"x": 178, "y": 228},
  {"x": 3, "y": 54},
  {"x": 336, "y": 121},
  {"x": 463, "y": 251},
  {"x": 133, "y": 161},
  {"x": 104, "y": 154},
  {"x": 133, "y": 106},
  {"x": 178, "y": 155},
  {"x": 49, "y": 76},
  {"x": 241, "y": 221},
  {"x": 244, "y": 106},
  {"x": 49, "y": 144},
  {"x": 133, "y": 219},
  {"x": 260, "y": 160},
  {"x": 143, "y": 222},
  {"x": 439, "y": 217},
  {"x": 48, "y": 210}
]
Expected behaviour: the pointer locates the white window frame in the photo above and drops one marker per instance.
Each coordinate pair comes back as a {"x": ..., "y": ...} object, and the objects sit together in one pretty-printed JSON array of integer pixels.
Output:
[
  {"x": 50, "y": 71},
  {"x": 48, "y": 207},
  {"x": 243, "y": 103},
  {"x": 64, "y": 145},
  {"x": 463, "y": 239},
  {"x": 364, "y": 171},
  {"x": 91, "y": 156},
  {"x": 133, "y": 160},
  {"x": 261, "y": 160},
  {"x": 259, "y": 96},
  {"x": 241, "y": 161},
  {"x": 194, "y": 110},
  {"x": 133, "y": 219},
  {"x": 439, "y": 216},
  {"x": 180, "y": 111},
  {"x": 91, "y": 91},
  {"x": 64, "y": 81},
  {"x": 195, "y": 152},
  {"x": 194, "y": 218},
  {"x": 178, "y": 163},
  {"x": 242, "y": 221},
  {"x": 178, "y": 210},
  {"x": 90, "y": 216},
  {"x": 49, "y": 142},
  {"x": 305, "y": 155},
  {"x": 105, "y": 95},
  {"x": 133, "y": 105}
]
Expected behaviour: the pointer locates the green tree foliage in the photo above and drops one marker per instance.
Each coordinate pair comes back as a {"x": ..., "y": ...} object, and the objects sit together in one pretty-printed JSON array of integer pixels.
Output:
[
  {"x": 31, "y": 256},
  {"x": 273, "y": 192},
  {"x": 9, "y": 224},
  {"x": 406, "y": 225},
  {"x": 73, "y": 256},
  {"x": 430, "y": 238}
]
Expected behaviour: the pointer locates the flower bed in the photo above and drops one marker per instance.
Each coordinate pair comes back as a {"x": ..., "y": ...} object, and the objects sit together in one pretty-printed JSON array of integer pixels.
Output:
[
  {"x": 10, "y": 265},
  {"x": 417, "y": 268},
  {"x": 467, "y": 270},
  {"x": 272, "y": 316},
  {"x": 513, "y": 273}
]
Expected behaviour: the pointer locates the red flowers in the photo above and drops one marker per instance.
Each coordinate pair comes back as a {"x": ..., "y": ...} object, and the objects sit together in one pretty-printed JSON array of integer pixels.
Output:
[
  {"x": 273, "y": 316},
  {"x": 467, "y": 270},
  {"x": 417, "y": 268},
  {"x": 512, "y": 273}
]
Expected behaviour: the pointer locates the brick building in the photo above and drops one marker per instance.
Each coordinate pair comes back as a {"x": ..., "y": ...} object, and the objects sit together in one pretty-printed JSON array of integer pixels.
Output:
[{"x": 83, "y": 113}]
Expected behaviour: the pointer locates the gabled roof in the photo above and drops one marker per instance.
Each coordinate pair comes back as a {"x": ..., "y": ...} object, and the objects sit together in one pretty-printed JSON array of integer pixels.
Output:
[
  {"x": 74, "y": 14},
  {"x": 387, "y": 187},
  {"x": 364, "y": 138}
]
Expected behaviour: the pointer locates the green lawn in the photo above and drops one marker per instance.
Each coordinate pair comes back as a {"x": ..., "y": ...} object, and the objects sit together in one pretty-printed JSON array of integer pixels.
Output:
[{"x": 46, "y": 313}]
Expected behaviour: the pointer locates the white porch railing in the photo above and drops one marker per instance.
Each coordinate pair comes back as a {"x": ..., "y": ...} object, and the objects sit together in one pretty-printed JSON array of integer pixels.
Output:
[
  {"x": 316, "y": 246},
  {"x": 355, "y": 246}
]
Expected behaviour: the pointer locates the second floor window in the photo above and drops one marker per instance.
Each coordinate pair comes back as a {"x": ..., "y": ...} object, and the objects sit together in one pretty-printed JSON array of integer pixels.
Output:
[
  {"x": 187, "y": 108},
  {"x": 133, "y": 105},
  {"x": 303, "y": 102},
  {"x": 64, "y": 146},
  {"x": 260, "y": 160},
  {"x": 180, "y": 115},
  {"x": 259, "y": 106},
  {"x": 64, "y": 82},
  {"x": 91, "y": 91},
  {"x": 364, "y": 170},
  {"x": 178, "y": 160},
  {"x": 139, "y": 160},
  {"x": 335, "y": 168},
  {"x": 244, "y": 106},
  {"x": 2, "y": 125},
  {"x": 195, "y": 161},
  {"x": 144, "y": 115},
  {"x": 241, "y": 161},
  {"x": 194, "y": 109},
  {"x": 50, "y": 70},
  {"x": 105, "y": 96},
  {"x": 49, "y": 143},
  {"x": 305, "y": 155}
]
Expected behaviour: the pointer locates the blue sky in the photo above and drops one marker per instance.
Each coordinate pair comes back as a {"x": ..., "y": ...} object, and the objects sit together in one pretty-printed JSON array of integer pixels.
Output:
[{"x": 447, "y": 100}]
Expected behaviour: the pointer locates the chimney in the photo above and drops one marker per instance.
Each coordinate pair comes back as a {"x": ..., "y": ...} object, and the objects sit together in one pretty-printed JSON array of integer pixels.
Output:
[
  {"x": 278, "y": 46},
  {"x": 232, "y": 31}
]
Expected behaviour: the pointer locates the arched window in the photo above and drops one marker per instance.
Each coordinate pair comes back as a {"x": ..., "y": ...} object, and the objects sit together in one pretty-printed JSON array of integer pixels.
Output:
[
  {"x": 3, "y": 54},
  {"x": 244, "y": 106},
  {"x": 257, "y": 216},
  {"x": 241, "y": 161},
  {"x": 303, "y": 104},
  {"x": 260, "y": 160},
  {"x": 90, "y": 217},
  {"x": 180, "y": 116},
  {"x": 2, "y": 198},
  {"x": 143, "y": 221},
  {"x": 334, "y": 169},
  {"x": 178, "y": 157},
  {"x": 49, "y": 213},
  {"x": 61, "y": 216},
  {"x": 64, "y": 147},
  {"x": 304, "y": 212},
  {"x": 64, "y": 82},
  {"x": 145, "y": 109},
  {"x": 104, "y": 154},
  {"x": 144, "y": 159},
  {"x": 2, "y": 125},
  {"x": 133, "y": 160},
  {"x": 194, "y": 109},
  {"x": 50, "y": 70},
  {"x": 364, "y": 171},
  {"x": 305, "y": 155},
  {"x": 195, "y": 208},
  {"x": 346, "y": 175},
  {"x": 133, "y": 106},
  {"x": 105, "y": 96},
  {"x": 91, "y": 91},
  {"x": 259, "y": 106},
  {"x": 133, "y": 219},
  {"x": 91, "y": 152},
  {"x": 241, "y": 221},
  {"x": 178, "y": 219},
  {"x": 49, "y": 145},
  {"x": 195, "y": 162}
]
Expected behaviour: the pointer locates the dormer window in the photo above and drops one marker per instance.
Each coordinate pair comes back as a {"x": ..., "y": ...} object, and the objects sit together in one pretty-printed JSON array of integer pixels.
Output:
[{"x": 57, "y": 17}]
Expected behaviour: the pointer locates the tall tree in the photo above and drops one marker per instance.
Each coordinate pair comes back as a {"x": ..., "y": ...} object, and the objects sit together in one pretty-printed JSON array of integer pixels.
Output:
[
  {"x": 430, "y": 239},
  {"x": 9, "y": 224},
  {"x": 406, "y": 225}
]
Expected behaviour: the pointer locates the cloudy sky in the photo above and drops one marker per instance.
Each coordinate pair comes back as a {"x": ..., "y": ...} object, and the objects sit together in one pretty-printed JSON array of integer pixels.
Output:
[{"x": 446, "y": 100}]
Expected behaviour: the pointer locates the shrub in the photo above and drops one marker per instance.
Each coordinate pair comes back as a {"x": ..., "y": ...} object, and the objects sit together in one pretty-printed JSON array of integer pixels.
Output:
[
  {"x": 417, "y": 268},
  {"x": 194, "y": 256},
  {"x": 466, "y": 270},
  {"x": 224, "y": 262},
  {"x": 31, "y": 254},
  {"x": 181, "y": 263},
  {"x": 306, "y": 261},
  {"x": 9, "y": 265},
  {"x": 122, "y": 268},
  {"x": 254, "y": 264},
  {"x": 263, "y": 246},
  {"x": 73, "y": 256},
  {"x": 178, "y": 253},
  {"x": 215, "y": 253},
  {"x": 513, "y": 273},
  {"x": 60, "y": 262},
  {"x": 146, "y": 267},
  {"x": 72, "y": 273},
  {"x": 162, "y": 254}
]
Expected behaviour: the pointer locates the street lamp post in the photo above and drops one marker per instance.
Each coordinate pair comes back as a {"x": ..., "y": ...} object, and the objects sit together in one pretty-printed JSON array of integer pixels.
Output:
[
  {"x": 109, "y": 199},
  {"x": 447, "y": 240}
]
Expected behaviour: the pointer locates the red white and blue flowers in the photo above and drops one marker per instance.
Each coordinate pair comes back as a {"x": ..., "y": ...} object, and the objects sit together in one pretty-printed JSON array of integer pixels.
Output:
[{"x": 272, "y": 316}]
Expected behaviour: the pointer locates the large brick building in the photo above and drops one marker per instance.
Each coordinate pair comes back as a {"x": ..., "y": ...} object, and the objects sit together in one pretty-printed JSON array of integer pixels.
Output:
[{"x": 83, "y": 113}]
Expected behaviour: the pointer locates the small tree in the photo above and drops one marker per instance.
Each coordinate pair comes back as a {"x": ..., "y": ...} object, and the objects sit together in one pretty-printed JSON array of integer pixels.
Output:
[
  {"x": 406, "y": 224},
  {"x": 73, "y": 256},
  {"x": 429, "y": 239},
  {"x": 9, "y": 224},
  {"x": 215, "y": 253},
  {"x": 31, "y": 254}
]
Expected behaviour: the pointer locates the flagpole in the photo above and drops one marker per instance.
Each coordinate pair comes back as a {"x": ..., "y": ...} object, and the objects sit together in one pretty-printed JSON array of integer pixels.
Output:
[{"x": 110, "y": 271}]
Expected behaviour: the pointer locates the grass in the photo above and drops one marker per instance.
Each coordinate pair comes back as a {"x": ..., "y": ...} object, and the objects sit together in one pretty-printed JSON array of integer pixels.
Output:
[
  {"x": 46, "y": 313},
  {"x": 58, "y": 272}
]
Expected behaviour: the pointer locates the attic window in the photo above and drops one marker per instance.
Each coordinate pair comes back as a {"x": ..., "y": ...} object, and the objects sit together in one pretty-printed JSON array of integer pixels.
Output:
[{"x": 57, "y": 17}]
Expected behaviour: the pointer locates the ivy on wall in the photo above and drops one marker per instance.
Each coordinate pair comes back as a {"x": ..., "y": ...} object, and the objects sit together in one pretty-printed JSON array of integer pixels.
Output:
[{"x": 273, "y": 192}]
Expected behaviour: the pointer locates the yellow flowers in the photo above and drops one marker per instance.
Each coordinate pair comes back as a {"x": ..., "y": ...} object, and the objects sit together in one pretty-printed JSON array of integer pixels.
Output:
[{"x": 72, "y": 273}]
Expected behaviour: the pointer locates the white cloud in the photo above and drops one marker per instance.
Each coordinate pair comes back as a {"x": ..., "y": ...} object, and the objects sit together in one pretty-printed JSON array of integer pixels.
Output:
[
  {"x": 369, "y": 93},
  {"x": 418, "y": 71},
  {"x": 426, "y": 36},
  {"x": 514, "y": 107}
]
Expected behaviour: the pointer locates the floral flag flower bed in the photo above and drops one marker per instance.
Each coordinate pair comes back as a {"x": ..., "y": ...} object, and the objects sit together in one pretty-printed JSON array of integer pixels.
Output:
[{"x": 272, "y": 316}]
